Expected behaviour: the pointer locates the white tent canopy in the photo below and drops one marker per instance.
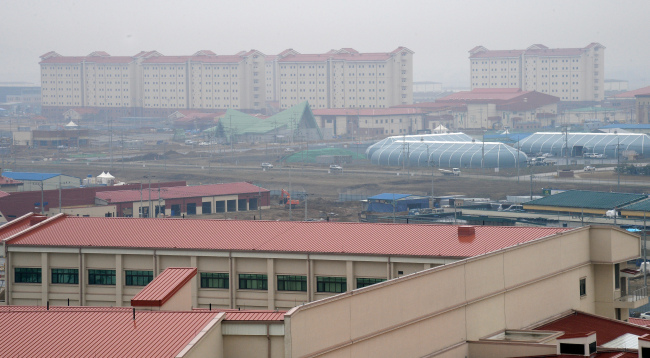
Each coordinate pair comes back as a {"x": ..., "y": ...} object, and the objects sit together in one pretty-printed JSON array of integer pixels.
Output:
[
  {"x": 441, "y": 129},
  {"x": 71, "y": 124}
]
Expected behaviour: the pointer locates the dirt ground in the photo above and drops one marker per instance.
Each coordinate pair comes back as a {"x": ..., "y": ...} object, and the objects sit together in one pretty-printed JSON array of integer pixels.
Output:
[{"x": 203, "y": 165}]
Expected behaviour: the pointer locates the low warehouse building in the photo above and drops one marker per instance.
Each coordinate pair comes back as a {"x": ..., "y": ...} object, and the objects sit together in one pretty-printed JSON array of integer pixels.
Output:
[
  {"x": 186, "y": 200},
  {"x": 583, "y": 202}
]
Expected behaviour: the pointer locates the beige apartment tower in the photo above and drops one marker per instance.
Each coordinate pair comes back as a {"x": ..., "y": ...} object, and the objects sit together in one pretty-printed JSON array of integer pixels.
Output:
[{"x": 572, "y": 74}]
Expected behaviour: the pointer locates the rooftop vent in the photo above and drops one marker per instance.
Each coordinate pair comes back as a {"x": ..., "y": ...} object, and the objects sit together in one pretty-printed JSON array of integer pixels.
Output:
[
  {"x": 466, "y": 230},
  {"x": 579, "y": 343}
]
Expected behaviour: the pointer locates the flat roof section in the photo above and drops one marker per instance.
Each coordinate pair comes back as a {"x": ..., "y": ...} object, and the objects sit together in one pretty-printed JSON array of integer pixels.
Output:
[
  {"x": 125, "y": 196},
  {"x": 275, "y": 236},
  {"x": 163, "y": 287}
]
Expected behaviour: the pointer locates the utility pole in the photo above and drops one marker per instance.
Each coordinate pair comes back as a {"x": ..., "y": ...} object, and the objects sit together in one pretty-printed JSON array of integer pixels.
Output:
[
  {"x": 566, "y": 144},
  {"x": 618, "y": 162},
  {"x": 140, "y": 215},
  {"x": 306, "y": 206},
  {"x": 59, "y": 194}
]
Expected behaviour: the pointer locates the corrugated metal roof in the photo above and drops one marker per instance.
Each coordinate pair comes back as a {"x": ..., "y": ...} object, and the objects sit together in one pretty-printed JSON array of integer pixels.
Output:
[
  {"x": 249, "y": 315},
  {"x": 163, "y": 287},
  {"x": 29, "y": 176},
  {"x": 15, "y": 226},
  {"x": 389, "y": 196},
  {"x": 639, "y": 321},
  {"x": 125, "y": 196},
  {"x": 97, "y": 332},
  {"x": 606, "y": 329},
  {"x": 643, "y": 205},
  {"x": 3, "y": 194},
  {"x": 277, "y": 236},
  {"x": 587, "y": 199}
]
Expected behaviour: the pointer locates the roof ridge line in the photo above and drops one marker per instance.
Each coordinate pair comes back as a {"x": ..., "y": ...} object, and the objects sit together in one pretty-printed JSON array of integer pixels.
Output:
[{"x": 34, "y": 227}]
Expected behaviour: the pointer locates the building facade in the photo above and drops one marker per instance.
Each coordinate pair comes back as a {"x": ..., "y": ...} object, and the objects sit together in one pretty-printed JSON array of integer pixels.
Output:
[
  {"x": 344, "y": 78},
  {"x": 151, "y": 84},
  {"x": 355, "y": 123},
  {"x": 572, "y": 74}
]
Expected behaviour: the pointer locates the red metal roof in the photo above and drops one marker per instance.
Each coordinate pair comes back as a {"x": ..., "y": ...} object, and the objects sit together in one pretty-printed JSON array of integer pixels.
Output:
[
  {"x": 639, "y": 321},
  {"x": 15, "y": 226},
  {"x": 163, "y": 287},
  {"x": 277, "y": 236},
  {"x": 8, "y": 181},
  {"x": 636, "y": 92},
  {"x": 3, "y": 194},
  {"x": 338, "y": 56},
  {"x": 89, "y": 59},
  {"x": 249, "y": 315},
  {"x": 97, "y": 332},
  {"x": 126, "y": 196},
  {"x": 484, "y": 94},
  {"x": 576, "y": 335},
  {"x": 535, "y": 50},
  {"x": 203, "y": 59},
  {"x": 366, "y": 112},
  {"x": 606, "y": 329}
]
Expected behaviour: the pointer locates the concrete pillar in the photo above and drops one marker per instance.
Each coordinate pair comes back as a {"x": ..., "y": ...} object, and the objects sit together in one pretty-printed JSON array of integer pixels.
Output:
[
  {"x": 195, "y": 282},
  {"x": 270, "y": 273},
  {"x": 349, "y": 273},
  {"x": 45, "y": 278},
  {"x": 119, "y": 280},
  {"x": 310, "y": 280},
  {"x": 82, "y": 279},
  {"x": 233, "y": 281}
]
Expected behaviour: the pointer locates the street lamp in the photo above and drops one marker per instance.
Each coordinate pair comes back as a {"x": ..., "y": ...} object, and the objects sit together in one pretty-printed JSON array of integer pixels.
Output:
[{"x": 618, "y": 161}]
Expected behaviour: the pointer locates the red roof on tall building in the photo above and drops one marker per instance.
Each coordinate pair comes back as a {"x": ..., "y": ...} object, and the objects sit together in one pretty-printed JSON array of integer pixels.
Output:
[
  {"x": 366, "y": 111},
  {"x": 276, "y": 236},
  {"x": 202, "y": 59},
  {"x": 534, "y": 50},
  {"x": 125, "y": 196},
  {"x": 88, "y": 59},
  {"x": 98, "y": 331},
  {"x": 342, "y": 55},
  {"x": 163, "y": 287}
]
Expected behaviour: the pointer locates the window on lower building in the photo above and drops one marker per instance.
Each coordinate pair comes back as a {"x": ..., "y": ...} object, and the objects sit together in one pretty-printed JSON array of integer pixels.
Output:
[
  {"x": 583, "y": 286},
  {"x": 331, "y": 284},
  {"x": 138, "y": 278},
  {"x": 101, "y": 277},
  {"x": 253, "y": 282},
  {"x": 27, "y": 275},
  {"x": 65, "y": 276},
  {"x": 363, "y": 282},
  {"x": 292, "y": 283},
  {"x": 214, "y": 280}
]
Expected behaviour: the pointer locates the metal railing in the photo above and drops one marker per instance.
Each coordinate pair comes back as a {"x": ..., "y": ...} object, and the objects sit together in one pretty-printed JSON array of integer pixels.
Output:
[{"x": 636, "y": 295}]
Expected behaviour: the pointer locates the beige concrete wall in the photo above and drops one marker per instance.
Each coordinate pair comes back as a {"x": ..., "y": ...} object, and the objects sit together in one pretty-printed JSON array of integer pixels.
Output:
[
  {"x": 91, "y": 211},
  {"x": 180, "y": 301},
  {"x": 503, "y": 350},
  {"x": 208, "y": 343},
  {"x": 509, "y": 289}
]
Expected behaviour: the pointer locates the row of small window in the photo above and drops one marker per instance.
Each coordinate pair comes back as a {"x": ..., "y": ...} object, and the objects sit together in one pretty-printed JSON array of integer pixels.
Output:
[
  {"x": 71, "y": 276},
  {"x": 284, "y": 282},
  {"x": 208, "y": 279}
]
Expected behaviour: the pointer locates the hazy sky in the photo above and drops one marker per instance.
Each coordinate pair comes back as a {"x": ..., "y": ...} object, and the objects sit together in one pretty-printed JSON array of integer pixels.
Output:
[{"x": 440, "y": 32}]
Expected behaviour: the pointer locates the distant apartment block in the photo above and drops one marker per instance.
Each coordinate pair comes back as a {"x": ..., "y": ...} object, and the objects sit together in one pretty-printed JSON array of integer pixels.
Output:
[
  {"x": 150, "y": 84},
  {"x": 572, "y": 74},
  {"x": 153, "y": 85},
  {"x": 342, "y": 78}
]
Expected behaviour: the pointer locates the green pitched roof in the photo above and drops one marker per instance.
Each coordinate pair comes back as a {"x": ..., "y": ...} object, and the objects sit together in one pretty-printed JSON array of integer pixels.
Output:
[
  {"x": 239, "y": 123},
  {"x": 586, "y": 199},
  {"x": 643, "y": 205}
]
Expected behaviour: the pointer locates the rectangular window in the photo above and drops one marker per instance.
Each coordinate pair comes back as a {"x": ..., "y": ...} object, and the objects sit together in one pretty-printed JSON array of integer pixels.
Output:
[
  {"x": 583, "y": 286},
  {"x": 253, "y": 282},
  {"x": 214, "y": 280},
  {"x": 27, "y": 275},
  {"x": 292, "y": 283},
  {"x": 363, "y": 282},
  {"x": 617, "y": 276},
  {"x": 101, "y": 277},
  {"x": 65, "y": 276},
  {"x": 138, "y": 278},
  {"x": 331, "y": 284}
]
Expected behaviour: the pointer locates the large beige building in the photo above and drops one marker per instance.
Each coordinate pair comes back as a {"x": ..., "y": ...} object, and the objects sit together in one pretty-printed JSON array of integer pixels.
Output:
[
  {"x": 513, "y": 279},
  {"x": 342, "y": 78},
  {"x": 150, "y": 84},
  {"x": 153, "y": 85},
  {"x": 572, "y": 74}
]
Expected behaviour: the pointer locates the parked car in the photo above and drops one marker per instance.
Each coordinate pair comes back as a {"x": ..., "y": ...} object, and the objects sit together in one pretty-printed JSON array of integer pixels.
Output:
[
  {"x": 267, "y": 165},
  {"x": 204, "y": 143},
  {"x": 645, "y": 315},
  {"x": 589, "y": 168},
  {"x": 336, "y": 167}
]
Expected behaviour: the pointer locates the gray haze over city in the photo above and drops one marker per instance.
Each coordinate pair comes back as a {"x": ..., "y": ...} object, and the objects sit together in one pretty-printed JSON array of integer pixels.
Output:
[{"x": 439, "y": 32}]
